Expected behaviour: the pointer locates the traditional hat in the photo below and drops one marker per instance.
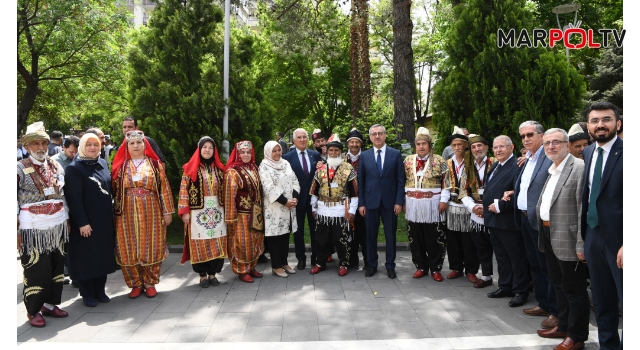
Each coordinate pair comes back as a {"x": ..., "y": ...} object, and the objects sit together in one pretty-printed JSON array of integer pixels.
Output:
[
  {"x": 134, "y": 135},
  {"x": 577, "y": 133},
  {"x": 423, "y": 134},
  {"x": 334, "y": 141},
  {"x": 457, "y": 134},
  {"x": 354, "y": 133},
  {"x": 473, "y": 138},
  {"x": 34, "y": 132},
  {"x": 317, "y": 134}
]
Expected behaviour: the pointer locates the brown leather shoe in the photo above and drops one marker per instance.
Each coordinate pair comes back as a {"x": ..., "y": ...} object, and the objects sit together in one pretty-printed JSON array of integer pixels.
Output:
[
  {"x": 480, "y": 283},
  {"x": 472, "y": 277},
  {"x": 56, "y": 312},
  {"x": 245, "y": 277},
  {"x": 568, "y": 344},
  {"x": 255, "y": 274},
  {"x": 37, "y": 320},
  {"x": 535, "y": 311},
  {"x": 551, "y": 333},
  {"x": 437, "y": 276},
  {"x": 454, "y": 274},
  {"x": 550, "y": 322}
]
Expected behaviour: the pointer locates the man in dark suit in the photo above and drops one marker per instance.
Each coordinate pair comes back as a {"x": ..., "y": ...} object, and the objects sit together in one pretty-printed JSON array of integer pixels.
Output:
[
  {"x": 303, "y": 162},
  {"x": 601, "y": 224},
  {"x": 380, "y": 196},
  {"x": 498, "y": 218},
  {"x": 528, "y": 187}
]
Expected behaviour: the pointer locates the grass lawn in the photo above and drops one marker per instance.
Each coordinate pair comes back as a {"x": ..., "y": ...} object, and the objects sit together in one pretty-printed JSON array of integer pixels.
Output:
[{"x": 175, "y": 231}]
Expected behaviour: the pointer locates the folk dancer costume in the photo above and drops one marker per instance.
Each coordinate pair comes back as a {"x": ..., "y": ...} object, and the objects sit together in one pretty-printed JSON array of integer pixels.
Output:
[
  {"x": 333, "y": 187},
  {"x": 476, "y": 175},
  {"x": 359, "y": 231},
  {"x": 243, "y": 213},
  {"x": 142, "y": 196},
  {"x": 426, "y": 226},
  {"x": 42, "y": 230},
  {"x": 201, "y": 194},
  {"x": 460, "y": 247}
]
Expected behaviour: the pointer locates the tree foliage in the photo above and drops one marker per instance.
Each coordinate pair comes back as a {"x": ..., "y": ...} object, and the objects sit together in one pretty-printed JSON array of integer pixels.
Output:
[{"x": 606, "y": 83}]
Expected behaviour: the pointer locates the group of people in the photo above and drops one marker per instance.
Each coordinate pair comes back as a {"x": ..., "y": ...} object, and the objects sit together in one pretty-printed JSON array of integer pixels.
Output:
[{"x": 546, "y": 216}]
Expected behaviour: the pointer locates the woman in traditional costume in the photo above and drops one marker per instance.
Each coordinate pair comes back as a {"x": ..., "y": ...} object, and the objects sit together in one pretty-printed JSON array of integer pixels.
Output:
[
  {"x": 201, "y": 210},
  {"x": 243, "y": 211},
  {"x": 280, "y": 188},
  {"x": 143, "y": 208},
  {"x": 91, "y": 240}
]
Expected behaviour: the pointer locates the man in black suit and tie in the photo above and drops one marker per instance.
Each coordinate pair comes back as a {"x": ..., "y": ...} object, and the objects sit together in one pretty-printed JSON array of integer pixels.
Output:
[
  {"x": 380, "y": 196},
  {"x": 506, "y": 239},
  {"x": 303, "y": 162},
  {"x": 601, "y": 224}
]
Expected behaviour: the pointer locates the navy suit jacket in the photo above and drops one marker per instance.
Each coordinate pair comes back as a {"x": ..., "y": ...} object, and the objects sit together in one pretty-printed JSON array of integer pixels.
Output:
[
  {"x": 538, "y": 179},
  {"x": 305, "y": 181},
  {"x": 504, "y": 180},
  {"x": 386, "y": 189},
  {"x": 609, "y": 201}
]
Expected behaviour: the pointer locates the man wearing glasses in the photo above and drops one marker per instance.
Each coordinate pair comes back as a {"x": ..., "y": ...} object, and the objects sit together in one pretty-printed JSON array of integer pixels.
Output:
[
  {"x": 559, "y": 209},
  {"x": 528, "y": 187}
]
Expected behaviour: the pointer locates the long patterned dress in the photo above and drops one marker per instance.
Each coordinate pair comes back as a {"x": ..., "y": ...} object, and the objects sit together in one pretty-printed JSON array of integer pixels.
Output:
[
  {"x": 141, "y": 242},
  {"x": 242, "y": 194},
  {"x": 202, "y": 250}
]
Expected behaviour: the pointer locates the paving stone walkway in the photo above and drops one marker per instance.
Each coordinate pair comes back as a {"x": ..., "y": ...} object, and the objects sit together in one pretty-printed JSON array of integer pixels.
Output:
[{"x": 324, "y": 311}]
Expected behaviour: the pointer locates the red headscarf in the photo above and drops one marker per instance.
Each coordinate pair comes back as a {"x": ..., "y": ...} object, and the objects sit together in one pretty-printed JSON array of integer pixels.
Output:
[
  {"x": 236, "y": 161},
  {"x": 123, "y": 154},
  {"x": 191, "y": 168}
]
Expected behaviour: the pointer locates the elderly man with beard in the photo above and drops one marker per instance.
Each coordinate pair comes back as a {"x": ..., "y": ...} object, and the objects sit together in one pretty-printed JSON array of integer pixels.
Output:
[
  {"x": 42, "y": 227},
  {"x": 334, "y": 201},
  {"x": 578, "y": 140},
  {"x": 355, "y": 141},
  {"x": 474, "y": 190}
]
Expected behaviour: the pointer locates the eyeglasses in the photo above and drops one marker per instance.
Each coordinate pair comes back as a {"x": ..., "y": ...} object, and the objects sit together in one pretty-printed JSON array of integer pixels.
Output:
[
  {"x": 554, "y": 143},
  {"x": 374, "y": 134},
  {"x": 529, "y": 135},
  {"x": 596, "y": 121}
]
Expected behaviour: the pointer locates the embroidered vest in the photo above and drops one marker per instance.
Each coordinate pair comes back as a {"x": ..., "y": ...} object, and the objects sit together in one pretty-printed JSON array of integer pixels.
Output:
[
  {"x": 36, "y": 182},
  {"x": 433, "y": 168},
  {"x": 343, "y": 174},
  {"x": 249, "y": 190}
]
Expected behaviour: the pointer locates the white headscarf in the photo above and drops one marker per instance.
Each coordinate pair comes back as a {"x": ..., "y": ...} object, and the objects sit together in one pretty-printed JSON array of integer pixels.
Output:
[
  {"x": 268, "y": 148},
  {"x": 83, "y": 144}
]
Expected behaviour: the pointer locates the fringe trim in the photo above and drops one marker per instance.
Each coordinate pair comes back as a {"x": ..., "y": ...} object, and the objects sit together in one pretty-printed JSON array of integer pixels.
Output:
[
  {"x": 424, "y": 211},
  {"x": 44, "y": 241},
  {"x": 458, "y": 219},
  {"x": 332, "y": 220},
  {"x": 476, "y": 226}
]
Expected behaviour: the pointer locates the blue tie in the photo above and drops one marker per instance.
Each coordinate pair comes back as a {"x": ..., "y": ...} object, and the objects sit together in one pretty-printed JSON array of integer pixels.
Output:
[
  {"x": 592, "y": 212},
  {"x": 379, "y": 162}
]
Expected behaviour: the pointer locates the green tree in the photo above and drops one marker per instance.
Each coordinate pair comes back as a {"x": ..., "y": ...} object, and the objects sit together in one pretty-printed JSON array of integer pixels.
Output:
[
  {"x": 606, "y": 82},
  {"x": 492, "y": 90}
]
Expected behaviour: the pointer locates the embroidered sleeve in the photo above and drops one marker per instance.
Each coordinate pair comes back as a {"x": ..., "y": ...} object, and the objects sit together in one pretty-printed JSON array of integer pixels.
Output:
[
  {"x": 166, "y": 197},
  {"x": 183, "y": 197},
  {"x": 230, "y": 192}
]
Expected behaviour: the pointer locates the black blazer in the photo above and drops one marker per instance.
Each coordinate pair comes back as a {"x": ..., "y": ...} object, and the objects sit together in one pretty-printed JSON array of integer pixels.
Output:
[
  {"x": 305, "y": 181},
  {"x": 387, "y": 188},
  {"x": 609, "y": 201},
  {"x": 503, "y": 181},
  {"x": 538, "y": 179}
]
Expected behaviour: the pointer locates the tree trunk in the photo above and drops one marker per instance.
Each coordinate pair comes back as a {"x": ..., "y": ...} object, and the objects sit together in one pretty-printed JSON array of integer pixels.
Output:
[
  {"x": 404, "y": 80},
  {"x": 363, "y": 53},
  {"x": 26, "y": 103},
  {"x": 354, "y": 64}
]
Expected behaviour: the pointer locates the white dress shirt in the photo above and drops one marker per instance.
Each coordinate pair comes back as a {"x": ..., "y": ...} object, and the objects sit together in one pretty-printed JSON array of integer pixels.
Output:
[
  {"x": 306, "y": 156},
  {"x": 606, "y": 150},
  {"x": 354, "y": 157},
  {"x": 555, "y": 172},
  {"x": 375, "y": 154},
  {"x": 495, "y": 201},
  {"x": 525, "y": 180}
]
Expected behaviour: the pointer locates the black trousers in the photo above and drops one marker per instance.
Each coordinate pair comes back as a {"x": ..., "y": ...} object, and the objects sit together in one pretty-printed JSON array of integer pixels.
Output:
[
  {"x": 462, "y": 252},
  {"x": 298, "y": 236},
  {"x": 43, "y": 279},
  {"x": 513, "y": 266},
  {"x": 334, "y": 233},
  {"x": 428, "y": 245},
  {"x": 359, "y": 239},
  {"x": 570, "y": 281},
  {"x": 482, "y": 240},
  {"x": 92, "y": 288},
  {"x": 210, "y": 267},
  {"x": 390, "y": 223},
  {"x": 606, "y": 285},
  {"x": 279, "y": 249}
]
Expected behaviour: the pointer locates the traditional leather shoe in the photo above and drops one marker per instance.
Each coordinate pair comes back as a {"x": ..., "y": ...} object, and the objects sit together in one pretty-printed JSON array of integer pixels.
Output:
[
  {"x": 279, "y": 274},
  {"x": 499, "y": 293},
  {"x": 550, "y": 322},
  {"x": 517, "y": 300},
  {"x": 88, "y": 301},
  {"x": 316, "y": 269},
  {"x": 370, "y": 272},
  {"x": 551, "y": 333},
  {"x": 391, "y": 273},
  {"x": 288, "y": 269},
  {"x": 419, "y": 273},
  {"x": 135, "y": 292},
  {"x": 472, "y": 277},
  {"x": 437, "y": 276},
  {"x": 255, "y": 274},
  {"x": 150, "y": 292},
  {"x": 103, "y": 298},
  {"x": 329, "y": 259},
  {"x": 37, "y": 320},
  {"x": 301, "y": 264},
  {"x": 245, "y": 277},
  {"x": 204, "y": 283},
  {"x": 214, "y": 281},
  {"x": 342, "y": 271},
  {"x": 569, "y": 344},
  {"x": 535, "y": 311},
  {"x": 454, "y": 274},
  {"x": 56, "y": 312},
  {"x": 480, "y": 283}
]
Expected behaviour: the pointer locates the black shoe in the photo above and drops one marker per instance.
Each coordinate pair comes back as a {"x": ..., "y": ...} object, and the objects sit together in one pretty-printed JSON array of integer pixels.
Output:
[
  {"x": 517, "y": 300},
  {"x": 391, "y": 273},
  {"x": 499, "y": 293},
  {"x": 263, "y": 259},
  {"x": 74, "y": 284},
  {"x": 301, "y": 264},
  {"x": 370, "y": 272},
  {"x": 204, "y": 283}
]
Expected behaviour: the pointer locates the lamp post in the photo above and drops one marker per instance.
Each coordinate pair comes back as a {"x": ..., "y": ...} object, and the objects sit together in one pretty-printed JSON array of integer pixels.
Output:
[
  {"x": 225, "y": 92},
  {"x": 564, "y": 9}
]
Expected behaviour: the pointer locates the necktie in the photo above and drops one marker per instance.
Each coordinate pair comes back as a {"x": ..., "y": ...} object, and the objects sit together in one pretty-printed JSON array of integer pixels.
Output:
[
  {"x": 379, "y": 162},
  {"x": 305, "y": 168},
  {"x": 494, "y": 172},
  {"x": 592, "y": 212}
]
